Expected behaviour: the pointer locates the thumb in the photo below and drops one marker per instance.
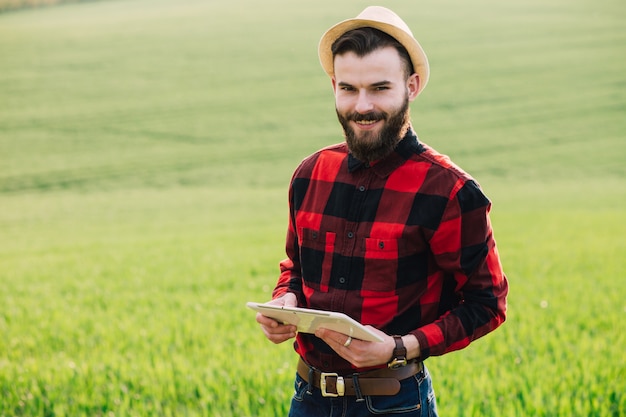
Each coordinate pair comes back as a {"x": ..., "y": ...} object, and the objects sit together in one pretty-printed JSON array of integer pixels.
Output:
[{"x": 290, "y": 300}]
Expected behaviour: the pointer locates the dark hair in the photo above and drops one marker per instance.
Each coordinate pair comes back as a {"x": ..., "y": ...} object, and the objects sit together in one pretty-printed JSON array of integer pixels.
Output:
[{"x": 363, "y": 41}]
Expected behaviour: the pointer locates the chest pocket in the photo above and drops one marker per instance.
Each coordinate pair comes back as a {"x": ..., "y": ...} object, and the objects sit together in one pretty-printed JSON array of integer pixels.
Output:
[
  {"x": 381, "y": 266},
  {"x": 381, "y": 248},
  {"x": 316, "y": 257}
]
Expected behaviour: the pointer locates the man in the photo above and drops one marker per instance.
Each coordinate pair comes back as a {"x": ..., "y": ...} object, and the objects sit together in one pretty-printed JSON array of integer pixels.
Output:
[{"x": 386, "y": 230}]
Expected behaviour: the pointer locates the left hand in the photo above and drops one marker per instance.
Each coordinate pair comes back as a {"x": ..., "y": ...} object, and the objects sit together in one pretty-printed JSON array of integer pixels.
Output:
[{"x": 359, "y": 353}]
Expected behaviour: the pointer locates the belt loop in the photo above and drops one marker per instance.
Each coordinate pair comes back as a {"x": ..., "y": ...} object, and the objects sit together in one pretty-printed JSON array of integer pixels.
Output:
[
  {"x": 422, "y": 370},
  {"x": 357, "y": 388},
  {"x": 310, "y": 382}
]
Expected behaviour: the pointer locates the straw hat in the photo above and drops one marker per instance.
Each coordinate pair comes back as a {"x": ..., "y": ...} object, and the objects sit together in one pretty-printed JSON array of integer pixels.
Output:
[{"x": 382, "y": 19}]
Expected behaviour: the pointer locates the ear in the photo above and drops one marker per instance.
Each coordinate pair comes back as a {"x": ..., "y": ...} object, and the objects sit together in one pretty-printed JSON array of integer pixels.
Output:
[
  {"x": 412, "y": 85},
  {"x": 334, "y": 81}
]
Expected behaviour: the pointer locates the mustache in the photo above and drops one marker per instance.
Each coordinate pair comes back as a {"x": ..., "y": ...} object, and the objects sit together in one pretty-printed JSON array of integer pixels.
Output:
[{"x": 367, "y": 117}]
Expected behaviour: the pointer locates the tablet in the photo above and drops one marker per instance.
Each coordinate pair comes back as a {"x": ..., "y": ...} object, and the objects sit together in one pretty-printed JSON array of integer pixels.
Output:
[{"x": 308, "y": 320}]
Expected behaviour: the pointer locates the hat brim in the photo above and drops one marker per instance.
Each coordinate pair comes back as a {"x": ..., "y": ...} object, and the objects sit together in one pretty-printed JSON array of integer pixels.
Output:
[{"x": 417, "y": 54}]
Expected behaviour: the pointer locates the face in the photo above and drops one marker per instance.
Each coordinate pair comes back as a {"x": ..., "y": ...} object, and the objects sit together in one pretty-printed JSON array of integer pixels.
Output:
[{"x": 372, "y": 96}]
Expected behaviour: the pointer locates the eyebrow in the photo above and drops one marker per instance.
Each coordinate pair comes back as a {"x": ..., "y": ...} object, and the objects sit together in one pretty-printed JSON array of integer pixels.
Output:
[{"x": 376, "y": 84}]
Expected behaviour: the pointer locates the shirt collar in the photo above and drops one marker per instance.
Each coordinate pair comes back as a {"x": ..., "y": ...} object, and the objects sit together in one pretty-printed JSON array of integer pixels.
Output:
[
  {"x": 354, "y": 164},
  {"x": 409, "y": 145}
]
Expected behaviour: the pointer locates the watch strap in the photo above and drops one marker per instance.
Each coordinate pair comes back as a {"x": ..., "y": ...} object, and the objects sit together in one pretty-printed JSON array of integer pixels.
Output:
[{"x": 399, "y": 354}]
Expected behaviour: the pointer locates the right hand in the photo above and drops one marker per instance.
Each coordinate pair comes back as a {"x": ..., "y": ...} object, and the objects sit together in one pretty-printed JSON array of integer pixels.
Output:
[{"x": 277, "y": 332}]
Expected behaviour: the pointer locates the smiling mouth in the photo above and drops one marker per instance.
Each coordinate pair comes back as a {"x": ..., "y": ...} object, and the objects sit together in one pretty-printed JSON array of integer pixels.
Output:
[{"x": 365, "y": 122}]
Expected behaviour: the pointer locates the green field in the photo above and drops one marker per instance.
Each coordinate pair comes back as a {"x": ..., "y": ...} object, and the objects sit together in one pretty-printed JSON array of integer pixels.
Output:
[{"x": 145, "y": 153}]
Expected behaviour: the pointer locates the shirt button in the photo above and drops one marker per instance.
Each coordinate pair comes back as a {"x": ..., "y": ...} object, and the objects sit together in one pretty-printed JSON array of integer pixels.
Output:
[
  {"x": 350, "y": 235},
  {"x": 342, "y": 280},
  {"x": 381, "y": 245},
  {"x": 361, "y": 188}
]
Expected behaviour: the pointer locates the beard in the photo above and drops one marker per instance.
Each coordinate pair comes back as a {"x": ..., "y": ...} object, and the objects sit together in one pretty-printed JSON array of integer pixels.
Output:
[{"x": 372, "y": 146}]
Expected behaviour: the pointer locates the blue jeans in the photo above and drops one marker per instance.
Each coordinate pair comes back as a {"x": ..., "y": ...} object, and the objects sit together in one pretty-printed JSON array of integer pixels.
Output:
[{"x": 415, "y": 399}]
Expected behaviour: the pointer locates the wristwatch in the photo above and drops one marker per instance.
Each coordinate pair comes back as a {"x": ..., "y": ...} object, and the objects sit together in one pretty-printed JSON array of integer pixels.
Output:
[{"x": 399, "y": 354}]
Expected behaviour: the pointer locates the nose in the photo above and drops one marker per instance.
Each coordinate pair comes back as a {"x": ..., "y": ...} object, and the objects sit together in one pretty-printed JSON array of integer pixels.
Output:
[{"x": 363, "y": 103}]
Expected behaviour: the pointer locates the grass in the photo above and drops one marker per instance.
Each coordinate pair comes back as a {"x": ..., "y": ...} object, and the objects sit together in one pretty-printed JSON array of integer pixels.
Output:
[
  {"x": 13, "y": 5},
  {"x": 145, "y": 151}
]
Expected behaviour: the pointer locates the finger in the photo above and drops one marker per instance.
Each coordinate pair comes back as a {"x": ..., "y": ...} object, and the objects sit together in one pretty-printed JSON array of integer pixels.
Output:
[
  {"x": 271, "y": 323},
  {"x": 266, "y": 321},
  {"x": 278, "y": 330},
  {"x": 275, "y": 331},
  {"x": 279, "y": 334},
  {"x": 290, "y": 300},
  {"x": 287, "y": 300},
  {"x": 332, "y": 338}
]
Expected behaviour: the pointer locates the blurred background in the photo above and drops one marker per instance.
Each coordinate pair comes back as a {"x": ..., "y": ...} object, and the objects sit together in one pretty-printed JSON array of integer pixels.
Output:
[{"x": 146, "y": 148}]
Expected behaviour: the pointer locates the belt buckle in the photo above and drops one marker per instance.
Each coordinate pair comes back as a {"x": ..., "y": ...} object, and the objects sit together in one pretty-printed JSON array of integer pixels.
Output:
[{"x": 341, "y": 387}]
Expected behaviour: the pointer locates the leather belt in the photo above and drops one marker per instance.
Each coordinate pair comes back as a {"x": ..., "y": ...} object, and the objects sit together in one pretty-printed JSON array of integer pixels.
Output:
[{"x": 383, "y": 381}]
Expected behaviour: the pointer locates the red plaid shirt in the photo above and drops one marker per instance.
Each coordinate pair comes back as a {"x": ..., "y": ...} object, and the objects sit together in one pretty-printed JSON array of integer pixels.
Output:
[{"x": 405, "y": 245}]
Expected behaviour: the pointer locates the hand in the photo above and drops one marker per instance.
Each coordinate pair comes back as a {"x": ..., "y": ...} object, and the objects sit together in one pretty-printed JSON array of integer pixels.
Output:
[
  {"x": 359, "y": 353},
  {"x": 277, "y": 332}
]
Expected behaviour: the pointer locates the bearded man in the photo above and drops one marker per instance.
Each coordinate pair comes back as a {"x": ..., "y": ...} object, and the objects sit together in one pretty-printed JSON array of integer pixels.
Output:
[{"x": 386, "y": 230}]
